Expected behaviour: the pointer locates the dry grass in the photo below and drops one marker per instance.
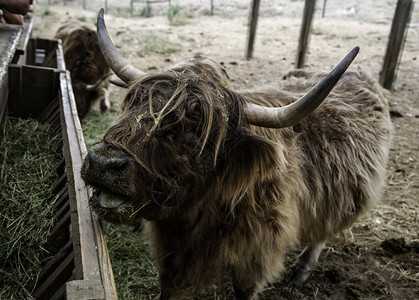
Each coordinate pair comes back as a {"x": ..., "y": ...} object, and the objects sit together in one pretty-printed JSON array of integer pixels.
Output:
[
  {"x": 135, "y": 275},
  {"x": 28, "y": 171}
]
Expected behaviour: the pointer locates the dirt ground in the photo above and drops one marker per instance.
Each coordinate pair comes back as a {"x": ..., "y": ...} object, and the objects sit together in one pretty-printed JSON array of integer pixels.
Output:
[{"x": 379, "y": 259}]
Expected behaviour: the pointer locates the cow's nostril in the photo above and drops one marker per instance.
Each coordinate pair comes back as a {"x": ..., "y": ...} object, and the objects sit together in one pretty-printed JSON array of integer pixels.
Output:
[{"x": 99, "y": 162}]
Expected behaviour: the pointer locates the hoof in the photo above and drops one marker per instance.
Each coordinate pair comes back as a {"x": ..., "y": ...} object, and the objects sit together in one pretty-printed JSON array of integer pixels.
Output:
[
  {"x": 104, "y": 107},
  {"x": 298, "y": 274}
]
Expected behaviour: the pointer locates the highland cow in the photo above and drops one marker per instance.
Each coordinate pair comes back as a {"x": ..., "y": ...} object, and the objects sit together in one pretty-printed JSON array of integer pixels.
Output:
[
  {"x": 228, "y": 182},
  {"x": 89, "y": 69}
]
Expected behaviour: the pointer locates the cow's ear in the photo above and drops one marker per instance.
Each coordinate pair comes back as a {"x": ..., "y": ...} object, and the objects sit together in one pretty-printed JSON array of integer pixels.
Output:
[{"x": 249, "y": 159}]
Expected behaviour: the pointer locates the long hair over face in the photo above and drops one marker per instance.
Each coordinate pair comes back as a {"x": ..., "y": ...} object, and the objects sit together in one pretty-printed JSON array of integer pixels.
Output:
[{"x": 174, "y": 126}]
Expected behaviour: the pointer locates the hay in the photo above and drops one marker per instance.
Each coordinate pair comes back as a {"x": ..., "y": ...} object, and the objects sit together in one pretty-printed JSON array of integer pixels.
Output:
[
  {"x": 136, "y": 277},
  {"x": 28, "y": 171}
]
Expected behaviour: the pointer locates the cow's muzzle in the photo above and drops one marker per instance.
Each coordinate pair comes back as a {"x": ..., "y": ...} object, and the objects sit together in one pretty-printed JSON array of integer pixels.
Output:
[
  {"x": 108, "y": 200},
  {"x": 107, "y": 171}
]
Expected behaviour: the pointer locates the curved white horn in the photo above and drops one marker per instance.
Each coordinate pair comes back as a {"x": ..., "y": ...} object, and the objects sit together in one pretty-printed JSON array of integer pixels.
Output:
[
  {"x": 280, "y": 117},
  {"x": 116, "y": 62},
  {"x": 92, "y": 87}
]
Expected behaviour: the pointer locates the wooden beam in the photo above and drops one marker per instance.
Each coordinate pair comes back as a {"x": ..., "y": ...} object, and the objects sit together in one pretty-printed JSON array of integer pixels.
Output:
[
  {"x": 309, "y": 7},
  {"x": 395, "y": 44},
  {"x": 91, "y": 256},
  {"x": 252, "y": 28}
]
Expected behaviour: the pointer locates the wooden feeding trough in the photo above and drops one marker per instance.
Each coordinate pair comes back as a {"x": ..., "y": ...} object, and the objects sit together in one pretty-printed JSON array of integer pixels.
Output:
[{"x": 80, "y": 267}]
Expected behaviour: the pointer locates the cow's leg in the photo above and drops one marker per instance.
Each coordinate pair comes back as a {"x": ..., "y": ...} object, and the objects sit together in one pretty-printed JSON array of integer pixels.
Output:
[
  {"x": 241, "y": 293},
  {"x": 244, "y": 285},
  {"x": 171, "y": 294},
  {"x": 104, "y": 104},
  {"x": 305, "y": 263},
  {"x": 164, "y": 295},
  {"x": 172, "y": 286},
  {"x": 167, "y": 295}
]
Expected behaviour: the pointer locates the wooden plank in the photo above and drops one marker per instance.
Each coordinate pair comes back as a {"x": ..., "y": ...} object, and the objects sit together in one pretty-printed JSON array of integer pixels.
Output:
[
  {"x": 92, "y": 262},
  {"x": 4, "y": 109},
  {"x": 84, "y": 290},
  {"x": 55, "y": 121},
  {"x": 21, "y": 50},
  {"x": 309, "y": 7},
  {"x": 58, "y": 145},
  {"x": 60, "y": 183},
  {"x": 56, "y": 130},
  {"x": 60, "y": 56},
  {"x": 56, "y": 279},
  {"x": 50, "y": 112},
  {"x": 61, "y": 198},
  {"x": 61, "y": 168},
  {"x": 32, "y": 89},
  {"x": 15, "y": 90},
  {"x": 399, "y": 27},
  {"x": 49, "y": 48},
  {"x": 54, "y": 262},
  {"x": 251, "y": 35},
  {"x": 60, "y": 228},
  {"x": 60, "y": 293},
  {"x": 39, "y": 78},
  {"x": 62, "y": 211}
]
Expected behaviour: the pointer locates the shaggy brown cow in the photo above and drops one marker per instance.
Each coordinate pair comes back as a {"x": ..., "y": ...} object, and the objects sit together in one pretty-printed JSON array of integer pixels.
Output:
[
  {"x": 228, "y": 182},
  {"x": 89, "y": 69}
]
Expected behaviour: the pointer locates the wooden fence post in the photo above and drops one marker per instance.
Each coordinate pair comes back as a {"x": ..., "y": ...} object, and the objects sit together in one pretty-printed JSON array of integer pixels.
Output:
[
  {"x": 305, "y": 31},
  {"x": 395, "y": 44},
  {"x": 132, "y": 7},
  {"x": 252, "y": 28}
]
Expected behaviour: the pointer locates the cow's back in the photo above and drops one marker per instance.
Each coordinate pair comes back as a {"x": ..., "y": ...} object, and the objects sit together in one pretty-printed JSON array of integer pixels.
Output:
[
  {"x": 342, "y": 149},
  {"x": 82, "y": 53}
]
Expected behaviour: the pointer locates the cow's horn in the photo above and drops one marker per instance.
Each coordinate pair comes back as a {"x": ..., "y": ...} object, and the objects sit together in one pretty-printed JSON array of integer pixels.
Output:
[
  {"x": 116, "y": 62},
  {"x": 92, "y": 87},
  {"x": 280, "y": 117}
]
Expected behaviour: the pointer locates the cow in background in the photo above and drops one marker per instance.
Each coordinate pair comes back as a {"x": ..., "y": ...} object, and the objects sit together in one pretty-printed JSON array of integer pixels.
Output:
[{"x": 89, "y": 69}]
